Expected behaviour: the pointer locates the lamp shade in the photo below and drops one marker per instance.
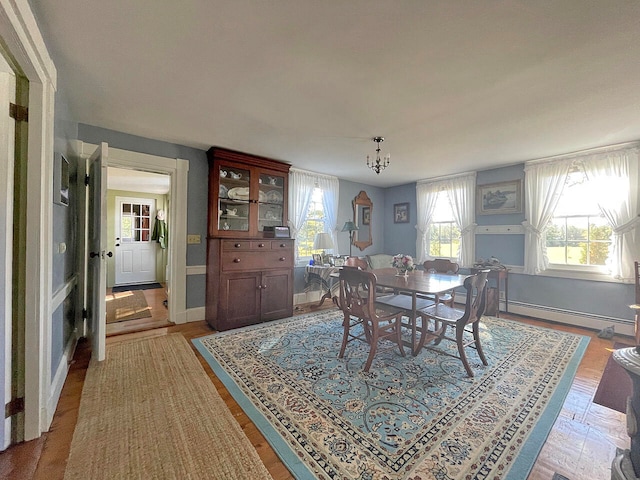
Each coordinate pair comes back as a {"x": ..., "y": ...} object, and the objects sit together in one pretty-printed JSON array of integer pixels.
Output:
[
  {"x": 349, "y": 227},
  {"x": 323, "y": 242}
]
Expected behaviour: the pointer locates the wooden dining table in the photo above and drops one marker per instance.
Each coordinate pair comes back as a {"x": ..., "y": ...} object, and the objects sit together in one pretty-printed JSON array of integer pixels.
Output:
[{"x": 412, "y": 286}]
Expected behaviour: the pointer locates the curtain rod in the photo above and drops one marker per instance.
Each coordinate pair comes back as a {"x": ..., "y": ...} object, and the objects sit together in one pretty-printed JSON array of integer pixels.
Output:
[
  {"x": 309, "y": 172},
  {"x": 588, "y": 151},
  {"x": 445, "y": 177}
]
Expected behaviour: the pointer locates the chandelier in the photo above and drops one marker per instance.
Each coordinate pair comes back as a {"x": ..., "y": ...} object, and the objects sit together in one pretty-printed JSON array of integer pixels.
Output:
[{"x": 378, "y": 164}]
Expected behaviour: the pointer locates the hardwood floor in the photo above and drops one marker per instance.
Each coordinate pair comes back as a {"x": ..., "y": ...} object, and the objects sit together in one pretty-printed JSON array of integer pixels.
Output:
[
  {"x": 159, "y": 315},
  {"x": 581, "y": 445}
]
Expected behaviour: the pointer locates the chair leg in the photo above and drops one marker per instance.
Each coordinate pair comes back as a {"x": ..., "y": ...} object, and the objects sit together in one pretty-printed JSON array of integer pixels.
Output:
[
  {"x": 372, "y": 350},
  {"x": 442, "y": 332},
  {"x": 476, "y": 339},
  {"x": 461, "y": 353},
  {"x": 345, "y": 336},
  {"x": 398, "y": 328}
]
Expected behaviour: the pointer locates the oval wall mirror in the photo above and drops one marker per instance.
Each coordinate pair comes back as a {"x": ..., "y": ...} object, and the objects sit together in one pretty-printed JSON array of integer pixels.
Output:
[{"x": 362, "y": 215}]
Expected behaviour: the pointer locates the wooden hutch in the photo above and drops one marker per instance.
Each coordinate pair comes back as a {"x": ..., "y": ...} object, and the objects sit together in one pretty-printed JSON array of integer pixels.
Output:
[{"x": 249, "y": 273}]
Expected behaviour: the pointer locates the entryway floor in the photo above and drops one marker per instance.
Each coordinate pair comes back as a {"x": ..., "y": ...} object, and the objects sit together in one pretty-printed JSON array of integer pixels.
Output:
[{"x": 159, "y": 315}]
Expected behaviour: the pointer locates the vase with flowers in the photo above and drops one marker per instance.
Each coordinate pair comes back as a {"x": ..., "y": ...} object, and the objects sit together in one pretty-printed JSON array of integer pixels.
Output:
[{"x": 403, "y": 264}]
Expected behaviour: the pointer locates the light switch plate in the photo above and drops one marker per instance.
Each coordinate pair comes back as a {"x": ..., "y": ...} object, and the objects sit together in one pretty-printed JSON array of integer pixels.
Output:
[{"x": 193, "y": 239}]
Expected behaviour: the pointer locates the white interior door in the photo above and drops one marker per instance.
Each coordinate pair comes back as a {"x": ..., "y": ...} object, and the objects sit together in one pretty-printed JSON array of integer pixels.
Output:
[
  {"x": 7, "y": 136},
  {"x": 135, "y": 251},
  {"x": 97, "y": 261}
]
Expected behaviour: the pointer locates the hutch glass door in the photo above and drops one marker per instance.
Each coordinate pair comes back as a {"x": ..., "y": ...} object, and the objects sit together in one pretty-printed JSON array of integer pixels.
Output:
[
  {"x": 233, "y": 199},
  {"x": 271, "y": 200}
]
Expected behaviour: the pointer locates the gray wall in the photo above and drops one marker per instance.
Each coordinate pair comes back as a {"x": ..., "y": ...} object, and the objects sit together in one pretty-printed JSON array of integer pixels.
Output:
[
  {"x": 400, "y": 237},
  {"x": 64, "y": 265}
]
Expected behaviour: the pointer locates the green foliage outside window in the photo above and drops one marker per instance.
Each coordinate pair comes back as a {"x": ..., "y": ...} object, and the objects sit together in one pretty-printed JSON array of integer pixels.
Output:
[
  {"x": 578, "y": 240},
  {"x": 444, "y": 240}
]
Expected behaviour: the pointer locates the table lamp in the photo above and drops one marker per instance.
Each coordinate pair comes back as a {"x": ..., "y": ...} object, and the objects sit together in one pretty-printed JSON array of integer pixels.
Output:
[
  {"x": 323, "y": 242},
  {"x": 350, "y": 227}
]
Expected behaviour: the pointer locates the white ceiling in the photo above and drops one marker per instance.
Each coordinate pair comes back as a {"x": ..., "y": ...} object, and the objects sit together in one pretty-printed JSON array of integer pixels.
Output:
[
  {"x": 138, "y": 181},
  {"x": 453, "y": 86}
]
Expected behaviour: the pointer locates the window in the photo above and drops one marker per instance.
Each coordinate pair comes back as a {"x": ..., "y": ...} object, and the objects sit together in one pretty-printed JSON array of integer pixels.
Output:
[
  {"x": 444, "y": 233},
  {"x": 313, "y": 225},
  {"x": 578, "y": 234}
]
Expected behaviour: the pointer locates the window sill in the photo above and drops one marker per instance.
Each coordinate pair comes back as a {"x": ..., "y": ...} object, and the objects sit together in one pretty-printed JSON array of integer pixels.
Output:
[{"x": 594, "y": 276}]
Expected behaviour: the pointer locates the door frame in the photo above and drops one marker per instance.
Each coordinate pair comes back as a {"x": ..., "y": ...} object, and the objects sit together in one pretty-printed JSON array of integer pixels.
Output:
[
  {"x": 9, "y": 82},
  {"x": 178, "y": 170},
  {"x": 23, "y": 41}
]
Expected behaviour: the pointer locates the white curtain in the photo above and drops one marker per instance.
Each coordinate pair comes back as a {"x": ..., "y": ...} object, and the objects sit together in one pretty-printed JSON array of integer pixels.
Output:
[
  {"x": 615, "y": 176},
  {"x": 426, "y": 196},
  {"x": 330, "y": 187},
  {"x": 543, "y": 187},
  {"x": 301, "y": 185},
  {"x": 462, "y": 195}
]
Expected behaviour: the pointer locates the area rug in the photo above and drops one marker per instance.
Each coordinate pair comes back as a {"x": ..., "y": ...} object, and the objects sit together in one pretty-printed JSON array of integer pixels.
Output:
[
  {"x": 150, "y": 411},
  {"x": 127, "y": 306},
  {"x": 615, "y": 385},
  {"x": 137, "y": 286},
  {"x": 409, "y": 417}
]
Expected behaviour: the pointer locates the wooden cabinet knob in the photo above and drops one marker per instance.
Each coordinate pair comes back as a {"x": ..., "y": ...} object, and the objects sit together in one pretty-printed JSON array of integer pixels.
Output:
[
  {"x": 282, "y": 245},
  {"x": 282, "y": 259},
  {"x": 264, "y": 287},
  {"x": 237, "y": 245},
  {"x": 260, "y": 245},
  {"x": 236, "y": 260},
  {"x": 259, "y": 287}
]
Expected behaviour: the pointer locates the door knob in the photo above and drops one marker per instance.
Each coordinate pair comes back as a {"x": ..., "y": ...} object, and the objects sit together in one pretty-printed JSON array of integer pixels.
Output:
[
  {"x": 109, "y": 254},
  {"x": 94, "y": 254}
]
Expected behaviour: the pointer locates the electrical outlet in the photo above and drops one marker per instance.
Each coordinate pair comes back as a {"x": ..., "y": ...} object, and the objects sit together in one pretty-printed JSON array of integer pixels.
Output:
[{"x": 193, "y": 239}]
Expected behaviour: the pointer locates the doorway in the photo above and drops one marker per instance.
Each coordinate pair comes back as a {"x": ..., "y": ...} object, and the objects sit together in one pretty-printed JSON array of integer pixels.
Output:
[{"x": 137, "y": 226}]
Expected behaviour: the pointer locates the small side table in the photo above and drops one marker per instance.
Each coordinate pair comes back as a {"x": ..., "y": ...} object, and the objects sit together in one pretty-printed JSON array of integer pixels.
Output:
[
  {"x": 501, "y": 274},
  {"x": 324, "y": 276}
]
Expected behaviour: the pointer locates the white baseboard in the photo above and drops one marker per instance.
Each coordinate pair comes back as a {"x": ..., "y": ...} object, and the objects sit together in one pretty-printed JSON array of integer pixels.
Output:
[
  {"x": 195, "y": 314},
  {"x": 579, "y": 319},
  {"x": 58, "y": 380}
]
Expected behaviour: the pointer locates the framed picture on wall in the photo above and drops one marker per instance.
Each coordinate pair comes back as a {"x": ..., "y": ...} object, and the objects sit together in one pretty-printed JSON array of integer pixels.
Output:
[
  {"x": 401, "y": 213},
  {"x": 366, "y": 215},
  {"x": 499, "y": 198},
  {"x": 60, "y": 180}
]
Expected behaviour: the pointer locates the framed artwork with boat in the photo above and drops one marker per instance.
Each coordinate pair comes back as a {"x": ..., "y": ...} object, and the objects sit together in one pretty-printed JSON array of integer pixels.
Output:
[{"x": 500, "y": 198}]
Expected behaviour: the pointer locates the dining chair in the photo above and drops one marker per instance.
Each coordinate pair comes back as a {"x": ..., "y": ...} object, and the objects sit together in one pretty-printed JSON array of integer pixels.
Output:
[
  {"x": 461, "y": 321},
  {"x": 443, "y": 265},
  {"x": 357, "y": 262},
  {"x": 359, "y": 308}
]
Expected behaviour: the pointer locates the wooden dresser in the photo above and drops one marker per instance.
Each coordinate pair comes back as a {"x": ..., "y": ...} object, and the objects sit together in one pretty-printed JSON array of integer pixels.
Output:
[{"x": 249, "y": 276}]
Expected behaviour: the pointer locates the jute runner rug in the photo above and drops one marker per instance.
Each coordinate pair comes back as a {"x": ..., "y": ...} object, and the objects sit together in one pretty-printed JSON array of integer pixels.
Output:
[
  {"x": 409, "y": 418},
  {"x": 123, "y": 306},
  {"x": 149, "y": 411}
]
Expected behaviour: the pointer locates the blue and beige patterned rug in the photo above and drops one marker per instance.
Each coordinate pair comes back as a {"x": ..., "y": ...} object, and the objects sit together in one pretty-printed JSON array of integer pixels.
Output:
[{"x": 408, "y": 418}]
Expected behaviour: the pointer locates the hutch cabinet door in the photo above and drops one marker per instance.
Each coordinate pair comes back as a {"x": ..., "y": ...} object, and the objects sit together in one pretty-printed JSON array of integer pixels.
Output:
[
  {"x": 239, "y": 302},
  {"x": 271, "y": 199},
  {"x": 277, "y": 294},
  {"x": 231, "y": 213}
]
